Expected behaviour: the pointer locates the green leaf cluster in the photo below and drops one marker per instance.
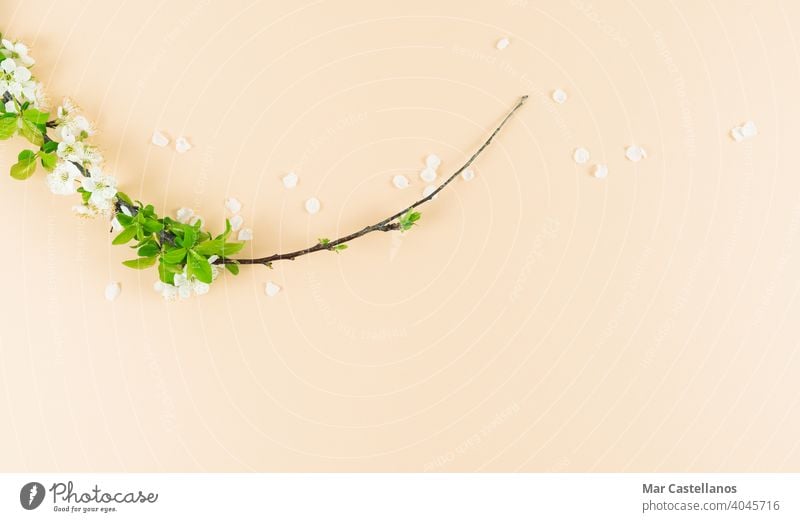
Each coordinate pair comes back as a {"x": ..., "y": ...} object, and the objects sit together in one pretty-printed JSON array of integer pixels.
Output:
[
  {"x": 171, "y": 244},
  {"x": 408, "y": 220}
]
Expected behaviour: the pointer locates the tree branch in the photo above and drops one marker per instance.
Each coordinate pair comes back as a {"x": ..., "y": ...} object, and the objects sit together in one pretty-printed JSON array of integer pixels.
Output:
[{"x": 384, "y": 225}]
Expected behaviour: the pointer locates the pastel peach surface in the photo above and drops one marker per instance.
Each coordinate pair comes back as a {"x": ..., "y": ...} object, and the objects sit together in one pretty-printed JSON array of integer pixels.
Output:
[{"x": 536, "y": 319}]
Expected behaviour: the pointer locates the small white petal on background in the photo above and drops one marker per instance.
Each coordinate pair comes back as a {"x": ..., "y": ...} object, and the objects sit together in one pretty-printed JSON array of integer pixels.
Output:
[
  {"x": 113, "y": 290},
  {"x": 433, "y": 161},
  {"x": 580, "y": 155},
  {"x": 502, "y": 43},
  {"x": 159, "y": 139},
  {"x": 600, "y": 171},
  {"x": 736, "y": 134},
  {"x": 312, "y": 205},
  {"x": 236, "y": 222},
  {"x": 183, "y": 215},
  {"x": 749, "y": 129},
  {"x": 559, "y": 96},
  {"x": 182, "y": 145},
  {"x": 271, "y": 289},
  {"x": 468, "y": 175},
  {"x": 233, "y": 205},
  {"x": 245, "y": 234},
  {"x": 427, "y": 174},
  {"x": 635, "y": 153},
  {"x": 400, "y": 181},
  {"x": 290, "y": 180},
  {"x": 427, "y": 191}
]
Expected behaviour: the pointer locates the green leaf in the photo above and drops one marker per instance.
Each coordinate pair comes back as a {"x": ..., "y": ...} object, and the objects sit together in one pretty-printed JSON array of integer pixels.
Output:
[
  {"x": 409, "y": 219},
  {"x": 233, "y": 268},
  {"x": 32, "y": 133},
  {"x": 49, "y": 160},
  {"x": 35, "y": 116},
  {"x": 125, "y": 236},
  {"x": 8, "y": 126},
  {"x": 189, "y": 237},
  {"x": 339, "y": 248},
  {"x": 323, "y": 241},
  {"x": 151, "y": 225},
  {"x": 121, "y": 195},
  {"x": 24, "y": 168},
  {"x": 124, "y": 219},
  {"x": 167, "y": 272},
  {"x": 141, "y": 263},
  {"x": 199, "y": 267},
  {"x": 227, "y": 232},
  {"x": 210, "y": 247},
  {"x": 174, "y": 256},
  {"x": 228, "y": 249},
  {"x": 50, "y": 146},
  {"x": 149, "y": 249},
  {"x": 26, "y": 155}
]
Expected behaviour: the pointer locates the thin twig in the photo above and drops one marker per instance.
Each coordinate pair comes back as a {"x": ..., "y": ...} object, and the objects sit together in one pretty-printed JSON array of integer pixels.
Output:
[{"x": 384, "y": 225}]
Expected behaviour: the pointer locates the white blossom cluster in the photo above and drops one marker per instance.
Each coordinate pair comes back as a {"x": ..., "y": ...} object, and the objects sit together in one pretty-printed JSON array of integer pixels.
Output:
[{"x": 16, "y": 77}]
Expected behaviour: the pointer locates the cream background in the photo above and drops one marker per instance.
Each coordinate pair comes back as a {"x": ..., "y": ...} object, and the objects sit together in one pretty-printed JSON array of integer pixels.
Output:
[{"x": 537, "y": 320}]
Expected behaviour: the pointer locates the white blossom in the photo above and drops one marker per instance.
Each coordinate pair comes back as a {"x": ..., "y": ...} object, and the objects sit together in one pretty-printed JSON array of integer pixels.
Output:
[
  {"x": 17, "y": 51},
  {"x": 16, "y": 79},
  {"x": 62, "y": 180},
  {"x": 103, "y": 188}
]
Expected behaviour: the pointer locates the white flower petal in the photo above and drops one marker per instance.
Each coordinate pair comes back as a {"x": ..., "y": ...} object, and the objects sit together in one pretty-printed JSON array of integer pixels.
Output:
[
  {"x": 8, "y": 65},
  {"x": 502, "y": 43},
  {"x": 236, "y": 222},
  {"x": 113, "y": 290},
  {"x": 433, "y": 161},
  {"x": 11, "y": 106},
  {"x": 736, "y": 134},
  {"x": 427, "y": 175},
  {"x": 245, "y": 234},
  {"x": 159, "y": 139},
  {"x": 271, "y": 289},
  {"x": 600, "y": 171},
  {"x": 559, "y": 96},
  {"x": 400, "y": 181},
  {"x": 749, "y": 129},
  {"x": 468, "y": 175},
  {"x": 22, "y": 74},
  {"x": 182, "y": 145},
  {"x": 233, "y": 205},
  {"x": 290, "y": 180},
  {"x": 312, "y": 205},
  {"x": 635, "y": 153},
  {"x": 580, "y": 155},
  {"x": 183, "y": 215}
]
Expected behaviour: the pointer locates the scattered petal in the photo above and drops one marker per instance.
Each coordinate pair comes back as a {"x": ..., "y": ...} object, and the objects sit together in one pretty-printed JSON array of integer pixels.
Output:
[
  {"x": 427, "y": 174},
  {"x": 271, "y": 289},
  {"x": 600, "y": 171},
  {"x": 236, "y": 222},
  {"x": 749, "y": 129},
  {"x": 468, "y": 175},
  {"x": 559, "y": 96},
  {"x": 115, "y": 225},
  {"x": 233, "y": 205},
  {"x": 182, "y": 145},
  {"x": 737, "y": 134},
  {"x": 183, "y": 215},
  {"x": 159, "y": 139},
  {"x": 580, "y": 155},
  {"x": 400, "y": 181},
  {"x": 113, "y": 290},
  {"x": 433, "y": 161},
  {"x": 428, "y": 190},
  {"x": 502, "y": 43},
  {"x": 635, "y": 153},
  {"x": 312, "y": 205},
  {"x": 290, "y": 180},
  {"x": 245, "y": 234}
]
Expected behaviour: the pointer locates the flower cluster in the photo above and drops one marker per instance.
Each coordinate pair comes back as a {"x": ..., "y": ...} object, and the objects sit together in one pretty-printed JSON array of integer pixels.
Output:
[{"x": 186, "y": 255}]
